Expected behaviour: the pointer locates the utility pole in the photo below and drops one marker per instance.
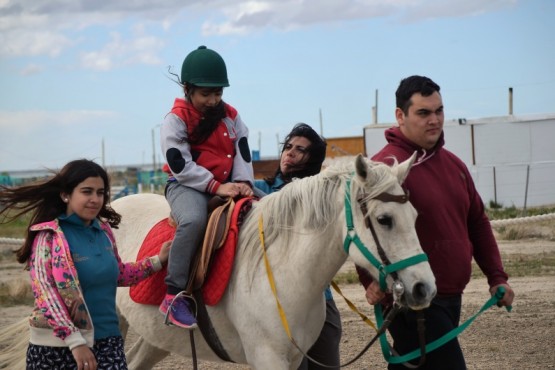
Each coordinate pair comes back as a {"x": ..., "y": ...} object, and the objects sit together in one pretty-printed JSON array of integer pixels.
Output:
[
  {"x": 321, "y": 124},
  {"x": 510, "y": 101},
  {"x": 153, "y": 152},
  {"x": 103, "y": 155},
  {"x": 376, "y": 105}
]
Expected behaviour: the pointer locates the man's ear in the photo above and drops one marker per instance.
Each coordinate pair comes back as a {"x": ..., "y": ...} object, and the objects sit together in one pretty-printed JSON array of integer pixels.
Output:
[{"x": 400, "y": 116}]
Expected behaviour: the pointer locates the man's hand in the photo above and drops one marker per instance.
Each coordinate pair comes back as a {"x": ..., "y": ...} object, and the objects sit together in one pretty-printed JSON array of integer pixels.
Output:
[
  {"x": 373, "y": 293},
  {"x": 508, "y": 297}
]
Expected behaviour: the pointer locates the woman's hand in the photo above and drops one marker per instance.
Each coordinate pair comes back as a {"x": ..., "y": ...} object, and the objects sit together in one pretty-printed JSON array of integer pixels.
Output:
[
  {"x": 84, "y": 358},
  {"x": 165, "y": 252}
]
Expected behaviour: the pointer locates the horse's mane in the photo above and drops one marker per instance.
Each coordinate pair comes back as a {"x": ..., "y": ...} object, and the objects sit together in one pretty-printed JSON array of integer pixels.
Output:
[{"x": 309, "y": 205}]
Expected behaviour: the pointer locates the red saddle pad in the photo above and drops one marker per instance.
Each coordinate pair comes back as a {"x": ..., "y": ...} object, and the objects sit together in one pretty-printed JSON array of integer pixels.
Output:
[
  {"x": 153, "y": 289},
  {"x": 222, "y": 262}
]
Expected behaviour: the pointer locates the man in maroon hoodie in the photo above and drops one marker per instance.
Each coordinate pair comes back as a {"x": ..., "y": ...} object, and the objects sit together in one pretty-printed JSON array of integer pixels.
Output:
[{"x": 451, "y": 225}]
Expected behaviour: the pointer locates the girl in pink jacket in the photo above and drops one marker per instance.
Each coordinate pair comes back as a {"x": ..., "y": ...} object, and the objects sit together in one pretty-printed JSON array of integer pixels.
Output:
[{"x": 75, "y": 268}]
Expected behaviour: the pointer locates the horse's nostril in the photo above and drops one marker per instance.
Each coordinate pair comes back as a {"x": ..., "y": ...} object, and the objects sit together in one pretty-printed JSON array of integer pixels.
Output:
[{"x": 419, "y": 291}]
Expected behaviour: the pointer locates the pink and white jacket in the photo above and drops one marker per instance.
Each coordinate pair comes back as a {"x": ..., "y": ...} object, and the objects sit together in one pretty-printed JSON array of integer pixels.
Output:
[{"x": 60, "y": 317}]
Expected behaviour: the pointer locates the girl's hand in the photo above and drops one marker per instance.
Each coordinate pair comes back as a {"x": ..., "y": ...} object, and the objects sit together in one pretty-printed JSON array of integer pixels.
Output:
[
  {"x": 84, "y": 358},
  {"x": 234, "y": 190},
  {"x": 165, "y": 252}
]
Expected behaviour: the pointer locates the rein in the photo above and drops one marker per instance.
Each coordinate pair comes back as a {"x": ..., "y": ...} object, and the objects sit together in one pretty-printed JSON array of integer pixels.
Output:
[{"x": 494, "y": 299}]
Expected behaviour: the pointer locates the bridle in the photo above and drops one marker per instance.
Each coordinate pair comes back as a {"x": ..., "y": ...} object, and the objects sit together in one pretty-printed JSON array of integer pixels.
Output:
[{"x": 385, "y": 267}]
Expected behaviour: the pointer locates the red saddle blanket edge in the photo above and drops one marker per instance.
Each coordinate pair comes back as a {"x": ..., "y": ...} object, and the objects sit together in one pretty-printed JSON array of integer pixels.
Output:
[
  {"x": 153, "y": 289},
  {"x": 221, "y": 265}
]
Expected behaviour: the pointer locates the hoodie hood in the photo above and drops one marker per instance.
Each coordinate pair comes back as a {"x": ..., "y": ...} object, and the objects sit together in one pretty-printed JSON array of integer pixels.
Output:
[{"x": 395, "y": 137}]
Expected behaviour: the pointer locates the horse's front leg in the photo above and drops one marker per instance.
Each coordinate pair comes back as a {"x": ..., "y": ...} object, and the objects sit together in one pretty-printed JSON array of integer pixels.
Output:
[
  {"x": 266, "y": 357},
  {"x": 143, "y": 355}
]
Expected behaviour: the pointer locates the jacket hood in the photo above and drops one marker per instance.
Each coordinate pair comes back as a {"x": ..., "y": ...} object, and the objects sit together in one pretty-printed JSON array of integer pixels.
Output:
[
  {"x": 181, "y": 103},
  {"x": 395, "y": 137}
]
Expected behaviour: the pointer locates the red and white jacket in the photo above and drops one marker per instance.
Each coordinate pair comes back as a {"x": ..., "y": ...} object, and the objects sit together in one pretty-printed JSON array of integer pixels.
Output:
[{"x": 223, "y": 157}]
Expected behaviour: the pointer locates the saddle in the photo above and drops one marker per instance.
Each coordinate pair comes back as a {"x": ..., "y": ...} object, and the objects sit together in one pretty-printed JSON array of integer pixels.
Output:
[{"x": 220, "y": 210}]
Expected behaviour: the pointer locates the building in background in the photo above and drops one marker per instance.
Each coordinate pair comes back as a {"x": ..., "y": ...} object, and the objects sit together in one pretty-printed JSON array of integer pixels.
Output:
[
  {"x": 344, "y": 146},
  {"x": 511, "y": 158}
]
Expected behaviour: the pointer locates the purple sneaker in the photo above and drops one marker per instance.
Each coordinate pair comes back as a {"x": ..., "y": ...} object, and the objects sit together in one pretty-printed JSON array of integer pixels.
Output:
[{"x": 176, "y": 310}]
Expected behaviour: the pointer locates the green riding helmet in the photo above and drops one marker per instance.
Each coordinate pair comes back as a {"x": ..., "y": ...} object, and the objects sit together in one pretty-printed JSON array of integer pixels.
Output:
[{"x": 205, "y": 68}]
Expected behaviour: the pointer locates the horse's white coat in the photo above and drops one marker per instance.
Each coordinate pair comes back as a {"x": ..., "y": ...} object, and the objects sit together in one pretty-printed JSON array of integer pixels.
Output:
[{"x": 304, "y": 226}]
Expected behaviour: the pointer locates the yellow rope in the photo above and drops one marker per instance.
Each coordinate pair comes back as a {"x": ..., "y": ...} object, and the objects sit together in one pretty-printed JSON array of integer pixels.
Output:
[
  {"x": 271, "y": 279},
  {"x": 353, "y": 307},
  {"x": 274, "y": 290}
]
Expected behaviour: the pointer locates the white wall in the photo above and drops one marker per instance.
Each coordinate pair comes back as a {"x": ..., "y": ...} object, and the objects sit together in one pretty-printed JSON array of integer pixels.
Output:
[{"x": 507, "y": 151}]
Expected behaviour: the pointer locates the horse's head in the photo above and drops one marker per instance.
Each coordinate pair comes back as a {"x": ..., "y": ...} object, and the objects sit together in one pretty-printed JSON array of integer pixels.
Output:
[{"x": 383, "y": 238}]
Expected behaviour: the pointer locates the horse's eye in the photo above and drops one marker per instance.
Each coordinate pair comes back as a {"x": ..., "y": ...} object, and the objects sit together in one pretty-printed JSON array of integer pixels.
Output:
[{"x": 385, "y": 221}]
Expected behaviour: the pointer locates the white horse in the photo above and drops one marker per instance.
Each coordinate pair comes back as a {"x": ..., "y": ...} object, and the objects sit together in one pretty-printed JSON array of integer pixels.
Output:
[
  {"x": 308, "y": 234},
  {"x": 305, "y": 229}
]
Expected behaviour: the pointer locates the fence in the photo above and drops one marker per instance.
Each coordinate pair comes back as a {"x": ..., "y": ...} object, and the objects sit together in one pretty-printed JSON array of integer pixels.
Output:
[
  {"x": 494, "y": 224},
  {"x": 520, "y": 185}
]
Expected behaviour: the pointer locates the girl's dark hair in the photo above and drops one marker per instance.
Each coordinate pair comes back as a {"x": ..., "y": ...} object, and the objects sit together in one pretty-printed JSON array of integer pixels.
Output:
[
  {"x": 211, "y": 117},
  {"x": 316, "y": 153},
  {"x": 43, "y": 199}
]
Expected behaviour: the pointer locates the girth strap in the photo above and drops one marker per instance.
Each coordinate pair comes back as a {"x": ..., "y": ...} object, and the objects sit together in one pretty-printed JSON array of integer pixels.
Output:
[{"x": 207, "y": 329}]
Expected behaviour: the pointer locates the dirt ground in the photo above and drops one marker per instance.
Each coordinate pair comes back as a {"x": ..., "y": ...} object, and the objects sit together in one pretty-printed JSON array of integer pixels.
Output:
[{"x": 521, "y": 339}]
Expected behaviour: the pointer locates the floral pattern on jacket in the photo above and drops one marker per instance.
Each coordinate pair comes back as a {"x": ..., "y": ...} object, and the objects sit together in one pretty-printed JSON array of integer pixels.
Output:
[{"x": 59, "y": 303}]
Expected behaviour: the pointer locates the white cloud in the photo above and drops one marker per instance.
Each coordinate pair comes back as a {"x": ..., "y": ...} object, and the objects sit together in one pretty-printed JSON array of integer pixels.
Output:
[
  {"x": 31, "y": 69},
  {"x": 27, "y": 42},
  {"x": 248, "y": 16},
  {"x": 141, "y": 49},
  {"x": 48, "y": 27}
]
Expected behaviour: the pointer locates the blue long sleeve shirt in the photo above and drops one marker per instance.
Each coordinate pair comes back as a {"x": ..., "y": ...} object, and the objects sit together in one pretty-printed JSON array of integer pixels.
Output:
[{"x": 98, "y": 272}]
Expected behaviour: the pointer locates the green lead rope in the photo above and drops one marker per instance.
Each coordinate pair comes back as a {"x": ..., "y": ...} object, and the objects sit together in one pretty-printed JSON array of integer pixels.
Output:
[{"x": 438, "y": 342}]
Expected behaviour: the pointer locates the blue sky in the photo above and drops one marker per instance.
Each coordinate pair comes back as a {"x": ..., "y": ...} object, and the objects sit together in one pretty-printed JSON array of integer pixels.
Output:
[{"x": 75, "y": 73}]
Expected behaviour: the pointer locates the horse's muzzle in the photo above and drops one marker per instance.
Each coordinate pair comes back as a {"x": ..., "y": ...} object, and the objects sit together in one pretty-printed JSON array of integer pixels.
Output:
[{"x": 419, "y": 297}]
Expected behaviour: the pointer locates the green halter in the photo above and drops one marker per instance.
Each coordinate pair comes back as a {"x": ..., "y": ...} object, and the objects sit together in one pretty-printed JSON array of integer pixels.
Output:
[{"x": 352, "y": 237}]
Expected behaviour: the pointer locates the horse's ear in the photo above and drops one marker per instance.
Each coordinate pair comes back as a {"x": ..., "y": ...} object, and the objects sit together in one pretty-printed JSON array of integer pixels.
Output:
[
  {"x": 404, "y": 167},
  {"x": 364, "y": 171},
  {"x": 361, "y": 167}
]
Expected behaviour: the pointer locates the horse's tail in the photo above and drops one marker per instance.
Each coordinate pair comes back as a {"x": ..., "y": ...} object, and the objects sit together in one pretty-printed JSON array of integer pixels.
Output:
[{"x": 14, "y": 340}]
